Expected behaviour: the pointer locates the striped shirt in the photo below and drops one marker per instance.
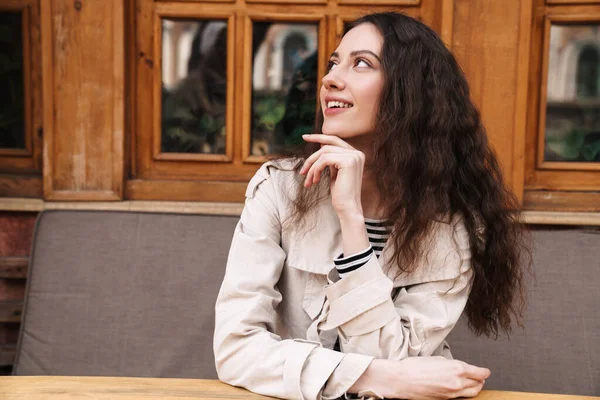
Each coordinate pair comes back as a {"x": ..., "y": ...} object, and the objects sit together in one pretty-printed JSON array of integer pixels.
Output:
[{"x": 378, "y": 233}]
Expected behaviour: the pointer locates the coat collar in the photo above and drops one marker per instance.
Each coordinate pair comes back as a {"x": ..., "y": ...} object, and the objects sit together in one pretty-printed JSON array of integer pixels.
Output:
[{"x": 314, "y": 250}]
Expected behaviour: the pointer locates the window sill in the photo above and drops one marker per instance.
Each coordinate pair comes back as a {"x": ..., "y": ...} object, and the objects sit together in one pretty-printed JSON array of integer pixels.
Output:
[
  {"x": 177, "y": 207},
  {"x": 189, "y": 207}
]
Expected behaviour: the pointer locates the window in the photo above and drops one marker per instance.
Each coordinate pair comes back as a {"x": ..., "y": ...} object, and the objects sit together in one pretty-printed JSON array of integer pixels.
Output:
[
  {"x": 221, "y": 85},
  {"x": 572, "y": 128},
  {"x": 12, "y": 108},
  {"x": 20, "y": 107},
  {"x": 563, "y": 160},
  {"x": 194, "y": 87},
  {"x": 284, "y": 82}
]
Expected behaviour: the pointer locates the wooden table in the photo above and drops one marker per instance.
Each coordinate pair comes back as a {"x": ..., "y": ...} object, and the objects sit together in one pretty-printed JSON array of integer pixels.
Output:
[{"x": 104, "y": 388}]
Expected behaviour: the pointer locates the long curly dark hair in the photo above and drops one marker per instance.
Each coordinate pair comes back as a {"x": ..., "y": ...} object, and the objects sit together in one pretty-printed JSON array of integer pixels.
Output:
[{"x": 432, "y": 159}]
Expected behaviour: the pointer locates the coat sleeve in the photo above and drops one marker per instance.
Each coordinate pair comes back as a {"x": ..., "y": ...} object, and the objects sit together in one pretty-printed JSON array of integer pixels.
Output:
[
  {"x": 247, "y": 351},
  {"x": 422, "y": 314}
]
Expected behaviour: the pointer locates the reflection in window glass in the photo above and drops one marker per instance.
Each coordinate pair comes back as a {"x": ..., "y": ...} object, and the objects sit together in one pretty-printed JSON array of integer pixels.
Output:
[
  {"x": 573, "y": 98},
  {"x": 194, "y": 86},
  {"x": 12, "y": 103},
  {"x": 284, "y": 82}
]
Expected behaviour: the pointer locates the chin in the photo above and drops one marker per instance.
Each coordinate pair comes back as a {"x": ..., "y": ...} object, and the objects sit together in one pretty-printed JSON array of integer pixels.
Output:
[
  {"x": 334, "y": 131},
  {"x": 342, "y": 133}
]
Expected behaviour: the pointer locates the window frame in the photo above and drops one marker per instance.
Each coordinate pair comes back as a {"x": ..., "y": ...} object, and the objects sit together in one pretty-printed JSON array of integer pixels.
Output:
[
  {"x": 20, "y": 174},
  {"x": 549, "y": 187},
  {"x": 567, "y": 2},
  {"x": 165, "y": 11},
  {"x": 192, "y": 178},
  {"x": 248, "y": 62},
  {"x": 540, "y": 162}
]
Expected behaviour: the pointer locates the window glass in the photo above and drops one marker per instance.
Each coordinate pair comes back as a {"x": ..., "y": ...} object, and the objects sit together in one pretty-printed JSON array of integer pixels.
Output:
[
  {"x": 573, "y": 98},
  {"x": 12, "y": 103},
  {"x": 284, "y": 83},
  {"x": 194, "y": 86}
]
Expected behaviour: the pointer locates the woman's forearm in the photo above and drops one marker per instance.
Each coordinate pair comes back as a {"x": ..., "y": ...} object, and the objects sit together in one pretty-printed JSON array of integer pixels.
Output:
[{"x": 421, "y": 378}]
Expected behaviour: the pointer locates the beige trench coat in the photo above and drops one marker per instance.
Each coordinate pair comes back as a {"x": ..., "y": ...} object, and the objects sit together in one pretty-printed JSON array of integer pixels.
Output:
[{"x": 281, "y": 306}]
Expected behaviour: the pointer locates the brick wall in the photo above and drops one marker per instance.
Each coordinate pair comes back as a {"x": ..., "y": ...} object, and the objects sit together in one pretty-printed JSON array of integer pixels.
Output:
[{"x": 16, "y": 233}]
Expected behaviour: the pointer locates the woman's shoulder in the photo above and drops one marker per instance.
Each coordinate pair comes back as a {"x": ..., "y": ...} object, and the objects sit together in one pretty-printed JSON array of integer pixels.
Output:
[
  {"x": 280, "y": 172},
  {"x": 450, "y": 231},
  {"x": 444, "y": 253}
]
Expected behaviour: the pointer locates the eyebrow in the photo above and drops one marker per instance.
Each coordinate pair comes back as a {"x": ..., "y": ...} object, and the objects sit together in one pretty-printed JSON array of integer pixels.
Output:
[{"x": 356, "y": 53}]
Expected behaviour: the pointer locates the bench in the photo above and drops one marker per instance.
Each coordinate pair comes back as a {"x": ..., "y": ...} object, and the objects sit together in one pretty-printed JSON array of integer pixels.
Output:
[{"x": 132, "y": 294}]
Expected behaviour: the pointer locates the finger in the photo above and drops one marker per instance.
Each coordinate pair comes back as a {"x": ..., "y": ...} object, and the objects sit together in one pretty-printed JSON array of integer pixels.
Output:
[
  {"x": 327, "y": 139},
  {"x": 476, "y": 373},
  {"x": 327, "y": 160},
  {"x": 471, "y": 391},
  {"x": 314, "y": 172},
  {"x": 307, "y": 168},
  {"x": 473, "y": 383},
  {"x": 314, "y": 156}
]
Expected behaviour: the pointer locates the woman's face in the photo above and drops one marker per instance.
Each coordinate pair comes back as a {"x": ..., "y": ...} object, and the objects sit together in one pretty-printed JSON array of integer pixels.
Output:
[{"x": 352, "y": 87}]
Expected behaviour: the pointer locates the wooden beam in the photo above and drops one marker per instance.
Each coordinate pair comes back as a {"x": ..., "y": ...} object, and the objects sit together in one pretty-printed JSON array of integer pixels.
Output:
[
  {"x": 13, "y": 267},
  {"x": 11, "y": 310}
]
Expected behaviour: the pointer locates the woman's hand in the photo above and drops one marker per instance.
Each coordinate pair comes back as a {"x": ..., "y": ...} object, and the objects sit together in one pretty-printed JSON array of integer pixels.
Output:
[
  {"x": 346, "y": 165},
  {"x": 422, "y": 378}
]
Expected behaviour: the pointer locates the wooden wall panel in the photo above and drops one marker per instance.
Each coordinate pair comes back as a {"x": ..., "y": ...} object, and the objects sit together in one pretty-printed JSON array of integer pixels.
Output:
[
  {"x": 83, "y": 85},
  {"x": 486, "y": 38}
]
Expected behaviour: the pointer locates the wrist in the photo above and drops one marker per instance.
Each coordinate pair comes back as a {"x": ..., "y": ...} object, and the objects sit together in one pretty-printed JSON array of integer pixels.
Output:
[
  {"x": 351, "y": 218},
  {"x": 376, "y": 378}
]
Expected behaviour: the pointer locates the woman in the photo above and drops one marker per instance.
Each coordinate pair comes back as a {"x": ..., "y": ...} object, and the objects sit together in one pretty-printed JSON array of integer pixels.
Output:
[{"x": 350, "y": 261}]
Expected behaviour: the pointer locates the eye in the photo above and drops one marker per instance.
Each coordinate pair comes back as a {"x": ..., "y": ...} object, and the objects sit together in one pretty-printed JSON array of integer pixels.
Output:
[
  {"x": 360, "y": 62},
  {"x": 331, "y": 65}
]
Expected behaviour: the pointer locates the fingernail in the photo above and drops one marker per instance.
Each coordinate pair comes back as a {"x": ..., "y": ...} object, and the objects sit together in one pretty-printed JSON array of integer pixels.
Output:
[{"x": 305, "y": 135}]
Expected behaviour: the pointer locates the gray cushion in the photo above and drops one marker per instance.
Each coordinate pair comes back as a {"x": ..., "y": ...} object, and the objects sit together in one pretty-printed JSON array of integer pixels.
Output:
[
  {"x": 558, "y": 350},
  {"x": 123, "y": 294},
  {"x": 132, "y": 294}
]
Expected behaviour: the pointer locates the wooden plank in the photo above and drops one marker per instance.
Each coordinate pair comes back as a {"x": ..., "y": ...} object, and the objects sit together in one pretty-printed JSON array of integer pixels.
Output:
[
  {"x": 570, "y": 1},
  {"x": 20, "y": 186},
  {"x": 21, "y": 204},
  {"x": 193, "y": 207},
  {"x": 13, "y": 267},
  {"x": 382, "y": 2},
  {"x": 178, "y": 207},
  {"x": 562, "y": 218},
  {"x": 83, "y": 75},
  {"x": 544, "y": 200},
  {"x": 120, "y": 388},
  {"x": 231, "y": 192},
  {"x": 521, "y": 98},
  {"x": 11, "y": 310},
  {"x": 447, "y": 22},
  {"x": 485, "y": 39}
]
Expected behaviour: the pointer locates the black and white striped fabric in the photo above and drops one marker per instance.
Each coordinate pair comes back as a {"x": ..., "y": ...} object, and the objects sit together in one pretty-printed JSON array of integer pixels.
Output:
[{"x": 378, "y": 233}]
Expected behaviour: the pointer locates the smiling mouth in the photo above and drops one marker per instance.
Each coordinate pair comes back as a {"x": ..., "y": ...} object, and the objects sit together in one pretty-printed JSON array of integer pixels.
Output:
[{"x": 338, "y": 104}]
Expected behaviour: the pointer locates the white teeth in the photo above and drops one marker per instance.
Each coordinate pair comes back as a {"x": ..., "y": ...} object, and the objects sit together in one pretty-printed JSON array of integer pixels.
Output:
[{"x": 339, "y": 104}]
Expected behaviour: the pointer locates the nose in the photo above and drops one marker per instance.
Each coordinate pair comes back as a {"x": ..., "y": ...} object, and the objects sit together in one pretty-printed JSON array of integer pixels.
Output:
[{"x": 334, "y": 80}]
